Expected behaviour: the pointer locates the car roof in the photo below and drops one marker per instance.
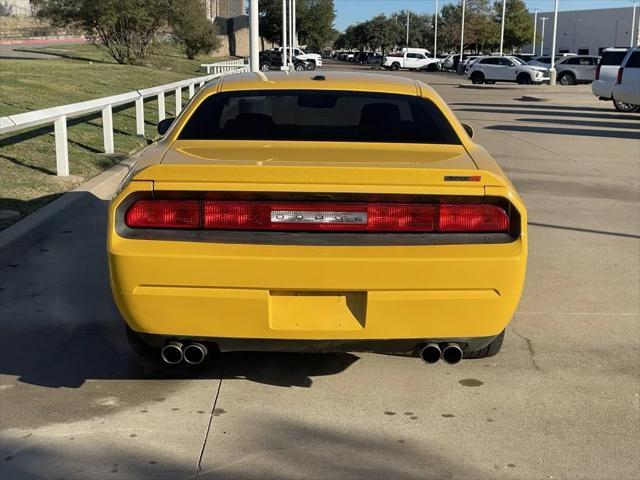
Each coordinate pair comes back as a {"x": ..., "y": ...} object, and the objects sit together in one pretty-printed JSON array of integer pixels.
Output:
[{"x": 326, "y": 80}]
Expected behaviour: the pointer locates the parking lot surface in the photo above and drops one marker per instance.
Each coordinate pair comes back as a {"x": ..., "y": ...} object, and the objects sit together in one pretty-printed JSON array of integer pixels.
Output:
[{"x": 561, "y": 400}]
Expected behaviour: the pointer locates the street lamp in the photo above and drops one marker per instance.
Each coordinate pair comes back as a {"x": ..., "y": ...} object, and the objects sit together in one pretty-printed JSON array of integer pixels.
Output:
[
  {"x": 633, "y": 26},
  {"x": 575, "y": 23},
  {"x": 552, "y": 70},
  {"x": 535, "y": 27},
  {"x": 462, "y": 31},
  {"x": 544, "y": 19},
  {"x": 285, "y": 61},
  {"x": 407, "y": 29},
  {"x": 504, "y": 9},
  {"x": 435, "y": 33},
  {"x": 254, "y": 36}
]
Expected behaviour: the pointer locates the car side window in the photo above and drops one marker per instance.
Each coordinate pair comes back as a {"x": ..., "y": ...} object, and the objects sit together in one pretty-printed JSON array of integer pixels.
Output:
[
  {"x": 505, "y": 62},
  {"x": 634, "y": 60},
  {"x": 489, "y": 61}
]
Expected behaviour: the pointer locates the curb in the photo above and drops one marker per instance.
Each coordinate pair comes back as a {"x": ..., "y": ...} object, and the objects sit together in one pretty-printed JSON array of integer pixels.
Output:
[{"x": 34, "y": 228}]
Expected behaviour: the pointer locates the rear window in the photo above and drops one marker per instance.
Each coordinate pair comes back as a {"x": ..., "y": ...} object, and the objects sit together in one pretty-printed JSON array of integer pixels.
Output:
[
  {"x": 318, "y": 116},
  {"x": 612, "y": 58},
  {"x": 634, "y": 60}
]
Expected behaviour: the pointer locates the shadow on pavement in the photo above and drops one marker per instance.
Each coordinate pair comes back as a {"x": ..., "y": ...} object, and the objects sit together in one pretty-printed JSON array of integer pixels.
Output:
[
  {"x": 60, "y": 326},
  {"x": 568, "y": 131}
]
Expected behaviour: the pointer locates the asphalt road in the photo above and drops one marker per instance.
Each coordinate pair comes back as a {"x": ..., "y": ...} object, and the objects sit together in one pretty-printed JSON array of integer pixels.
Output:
[{"x": 560, "y": 401}]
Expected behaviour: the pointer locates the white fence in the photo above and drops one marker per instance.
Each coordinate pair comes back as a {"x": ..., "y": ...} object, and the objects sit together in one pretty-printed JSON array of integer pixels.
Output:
[
  {"x": 58, "y": 115},
  {"x": 221, "y": 67}
]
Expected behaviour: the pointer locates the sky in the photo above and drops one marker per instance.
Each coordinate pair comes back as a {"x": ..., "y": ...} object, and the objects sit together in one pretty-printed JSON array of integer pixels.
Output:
[{"x": 352, "y": 11}]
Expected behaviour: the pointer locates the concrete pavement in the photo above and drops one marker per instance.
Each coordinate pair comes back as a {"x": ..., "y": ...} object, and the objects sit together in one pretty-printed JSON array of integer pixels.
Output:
[{"x": 561, "y": 400}]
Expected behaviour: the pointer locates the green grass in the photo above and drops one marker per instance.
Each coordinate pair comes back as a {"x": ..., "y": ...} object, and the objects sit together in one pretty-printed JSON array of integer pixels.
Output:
[{"x": 27, "y": 158}]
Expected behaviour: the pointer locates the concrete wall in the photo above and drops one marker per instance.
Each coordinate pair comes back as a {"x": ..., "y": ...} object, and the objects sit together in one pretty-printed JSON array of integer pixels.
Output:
[{"x": 587, "y": 30}]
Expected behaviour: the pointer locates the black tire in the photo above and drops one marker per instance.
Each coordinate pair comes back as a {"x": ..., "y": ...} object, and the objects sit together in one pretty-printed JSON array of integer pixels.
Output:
[
  {"x": 431, "y": 67},
  {"x": 300, "y": 67},
  {"x": 395, "y": 66},
  {"x": 489, "y": 351},
  {"x": 523, "y": 79},
  {"x": 477, "y": 78},
  {"x": 311, "y": 66},
  {"x": 625, "y": 107},
  {"x": 567, "y": 78},
  {"x": 265, "y": 67}
]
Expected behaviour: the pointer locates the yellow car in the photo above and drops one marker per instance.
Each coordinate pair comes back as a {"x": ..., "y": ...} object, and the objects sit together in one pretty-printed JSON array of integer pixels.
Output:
[{"x": 317, "y": 212}]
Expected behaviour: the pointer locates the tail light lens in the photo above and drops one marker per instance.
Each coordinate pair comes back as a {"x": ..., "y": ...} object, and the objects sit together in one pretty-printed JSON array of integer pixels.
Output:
[
  {"x": 164, "y": 214},
  {"x": 598, "y": 72},
  {"x": 317, "y": 217},
  {"x": 619, "y": 77}
]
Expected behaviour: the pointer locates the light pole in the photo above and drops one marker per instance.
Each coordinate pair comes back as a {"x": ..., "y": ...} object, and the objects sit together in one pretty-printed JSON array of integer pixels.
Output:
[
  {"x": 504, "y": 9},
  {"x": 291, "y": 34},
  {"x": 407, "y": 29},
  {"x": 294, "y": 39},
  {"x": 285, "y": 61},
  {"x": 633, "y": 25},
  {"x": 435, "y": 33},
  {"x": 575, "y": 23},
  {"x": 254, "y": 36},
  {"x": 462, "y": 31},
  {"x": 535, "y": 27},
  {"x": 552, "y": 70},
  {"x": 544, "y": 19}
]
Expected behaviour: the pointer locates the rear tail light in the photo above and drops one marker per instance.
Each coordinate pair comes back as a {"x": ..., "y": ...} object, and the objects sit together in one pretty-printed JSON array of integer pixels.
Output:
[
  {"x": 598, "y": 72},
  {"x": 619, "y": 77},
  {"x": 317, "y": 217},
  {"x": 164, "y": 214}
]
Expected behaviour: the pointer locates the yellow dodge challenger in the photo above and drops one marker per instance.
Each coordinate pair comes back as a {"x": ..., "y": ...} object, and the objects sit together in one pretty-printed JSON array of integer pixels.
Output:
[{"x": 316, "y": 212}]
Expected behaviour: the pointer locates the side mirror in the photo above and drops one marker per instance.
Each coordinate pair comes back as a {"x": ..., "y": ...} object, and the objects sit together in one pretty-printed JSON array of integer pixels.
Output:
[
  {"x": 163, "y": 125},
  {"x": 467, "y": 128}
]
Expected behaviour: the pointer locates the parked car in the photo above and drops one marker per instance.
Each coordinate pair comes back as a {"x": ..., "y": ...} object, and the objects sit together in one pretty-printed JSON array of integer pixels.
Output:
[
  {"x": 627, "y": 87},
  {"x": 410, "y": 61},
  {"x": 300, "y": 54},
  {"x": 272, "y": 60},
  {"x": 506, "y": 69},
  {"x": 210, "y": 253},
  {"x": 374, "y": 59},
  {"x": 576, "y": 69},
  {"x": 606, "y": 75},
  {"x": 544, "y": 61}
]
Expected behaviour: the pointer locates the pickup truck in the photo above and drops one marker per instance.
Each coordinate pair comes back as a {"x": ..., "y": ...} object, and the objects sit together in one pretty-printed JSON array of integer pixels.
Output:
[
  {"x": 410, "y": 61},
  {"x": 302, "y": 55}
]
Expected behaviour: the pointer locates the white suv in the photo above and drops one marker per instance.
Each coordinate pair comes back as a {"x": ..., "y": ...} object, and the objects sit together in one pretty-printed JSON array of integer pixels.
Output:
[
  {"x": 626, "y": 90},
  {"x": 606, "y": 73},
  {"x": 506, "y": 69}
]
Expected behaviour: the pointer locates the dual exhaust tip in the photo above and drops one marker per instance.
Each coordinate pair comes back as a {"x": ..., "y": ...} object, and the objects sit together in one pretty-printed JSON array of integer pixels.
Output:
[
  {"x": 192, "y": 353},
  {"x": 450, "y": 353}
]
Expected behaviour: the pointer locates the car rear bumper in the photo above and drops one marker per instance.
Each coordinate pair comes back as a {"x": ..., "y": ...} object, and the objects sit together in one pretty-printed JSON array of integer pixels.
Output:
[
  {"x": 627, "y": 93},
  {"x": 601, "y": 89},
  {"x": 284, "y": 292}
]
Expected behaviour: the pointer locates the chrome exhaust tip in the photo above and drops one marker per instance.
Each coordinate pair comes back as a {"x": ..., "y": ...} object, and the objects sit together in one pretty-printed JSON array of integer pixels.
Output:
[
  {"x": 452, "y": 353},
  {"x": 172, "y": 353},
  {"x": 195, "y": 353},
  {"x": 430, "y": 353}
]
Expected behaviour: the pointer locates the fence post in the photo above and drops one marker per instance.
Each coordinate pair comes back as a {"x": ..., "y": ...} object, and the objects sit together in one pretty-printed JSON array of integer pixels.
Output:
[
  {"x": 140, "y": 116},
  {"x": 191, "y": 90},
  {"x": 178, "y": 100},
  {"x": 62, "y": 153},
  {"x": 161, "y": 113},
  {"x": 107, "y": 128}
]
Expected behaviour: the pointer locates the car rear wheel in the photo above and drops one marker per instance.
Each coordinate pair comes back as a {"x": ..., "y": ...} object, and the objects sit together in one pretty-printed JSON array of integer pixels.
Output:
[
  {"x": 265, "y": 67},
  {"x": 477, "y": 78},
  {"x": 626, "y": 107},
  {"x": 523, "y": 79},
  {"x": 395, "y": 66},
  {"x": 488, "y": 351},
  {"x": 300, "y": 67},
  {"x": 567, "y": 78}
]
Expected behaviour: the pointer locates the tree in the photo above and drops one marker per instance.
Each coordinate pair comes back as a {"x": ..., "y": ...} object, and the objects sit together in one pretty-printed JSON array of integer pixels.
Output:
[
  {"x": 518, "y": 28},
  {"x": 125, "y": 27},
  {"x": 314, "y": 22},
  {"x": 191, "y": 28}
]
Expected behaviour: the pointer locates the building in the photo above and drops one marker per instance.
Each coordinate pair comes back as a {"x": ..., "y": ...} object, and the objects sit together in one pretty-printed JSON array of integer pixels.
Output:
[
  {"x": 224, "y": 8},
  {"x": 232, "y": 25},
  {"x": 587, "y": 32},
  {"x": 16, "y": 8}
]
